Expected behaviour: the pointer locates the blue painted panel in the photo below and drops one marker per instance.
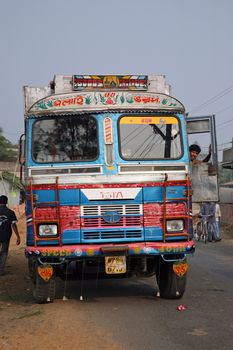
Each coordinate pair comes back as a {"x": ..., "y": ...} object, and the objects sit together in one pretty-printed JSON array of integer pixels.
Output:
[
  {"x": 45, "y": 195},
  {"x": 28, "y": 204},
  {"x": 113, "y": 240},
  {"x": 30, "y": 236},
  {"x": 153, "y": 194},
  {"x": 153, "y": 233},
  {"x": 112, "y": 235},
  {"x": 69, "y": 197},
  {"x": 175, "y": 191},
  {"x": 68, "y": 237},
  {"x": 71, "y": 237},
  {"x": 48, "y": 243}
]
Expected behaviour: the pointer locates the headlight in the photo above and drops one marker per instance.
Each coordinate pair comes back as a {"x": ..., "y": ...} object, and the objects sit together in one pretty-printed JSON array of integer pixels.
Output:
[
  {"x": 47, "y": 230},
  {"x": 175, "y": 225}
]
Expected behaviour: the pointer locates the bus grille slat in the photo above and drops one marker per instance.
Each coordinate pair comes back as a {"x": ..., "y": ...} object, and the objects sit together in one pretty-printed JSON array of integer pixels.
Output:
[{"x": 113, "y": 234}]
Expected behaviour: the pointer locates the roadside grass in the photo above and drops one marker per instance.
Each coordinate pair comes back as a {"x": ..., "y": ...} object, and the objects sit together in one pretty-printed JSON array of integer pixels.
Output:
[
  {"x": 19, "y": 298},
  {"x": 26, "y": 314}
]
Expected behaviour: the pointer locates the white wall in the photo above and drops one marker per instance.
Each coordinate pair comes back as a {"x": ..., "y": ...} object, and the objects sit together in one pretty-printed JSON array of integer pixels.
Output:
[{"x": 12, "y": 194}]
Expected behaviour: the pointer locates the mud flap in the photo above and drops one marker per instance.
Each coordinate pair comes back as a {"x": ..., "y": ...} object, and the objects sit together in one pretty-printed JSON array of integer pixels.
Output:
[{"x": 44, "y": 287}]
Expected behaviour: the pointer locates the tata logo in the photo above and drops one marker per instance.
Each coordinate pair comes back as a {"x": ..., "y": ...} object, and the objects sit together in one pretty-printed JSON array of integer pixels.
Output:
[{"x": 111, "y": 217}]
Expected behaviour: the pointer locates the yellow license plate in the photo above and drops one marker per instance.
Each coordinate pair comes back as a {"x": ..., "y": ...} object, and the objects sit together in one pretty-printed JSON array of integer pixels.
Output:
[{"x": 115, "y": 264}]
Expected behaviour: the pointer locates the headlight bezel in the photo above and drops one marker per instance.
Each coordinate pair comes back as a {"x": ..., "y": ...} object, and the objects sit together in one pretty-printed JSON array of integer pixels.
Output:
[
  {"x": 51, "y": 227},
  {"x": 170, "y": 226}
]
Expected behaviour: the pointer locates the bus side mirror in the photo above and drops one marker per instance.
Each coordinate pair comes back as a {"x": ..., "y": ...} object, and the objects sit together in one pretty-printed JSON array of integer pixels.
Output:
[{"x": 22, "y": 153}]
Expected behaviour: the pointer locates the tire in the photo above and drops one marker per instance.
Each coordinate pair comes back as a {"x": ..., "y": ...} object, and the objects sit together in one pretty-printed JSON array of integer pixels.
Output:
[
  {"x": 205, "y": 238},
  {"x": 44, "y": 292},
  {"x": 32, "y": 269},
  {"x": 170, "y": 285},
  {"x": 205, "y": 233}
]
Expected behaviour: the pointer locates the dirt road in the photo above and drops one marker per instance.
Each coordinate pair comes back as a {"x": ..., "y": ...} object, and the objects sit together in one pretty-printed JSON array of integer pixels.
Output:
[
  {"x": 29, "y": 326},
  {"x": 25, "y": 325}
]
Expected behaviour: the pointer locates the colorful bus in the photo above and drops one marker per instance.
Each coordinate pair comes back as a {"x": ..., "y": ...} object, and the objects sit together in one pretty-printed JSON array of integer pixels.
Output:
[{"x": 108, "y": 186}]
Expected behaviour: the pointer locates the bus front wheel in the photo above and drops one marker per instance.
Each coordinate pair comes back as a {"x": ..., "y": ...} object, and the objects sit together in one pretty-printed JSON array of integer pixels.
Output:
[{"x": 170, "y": 285}]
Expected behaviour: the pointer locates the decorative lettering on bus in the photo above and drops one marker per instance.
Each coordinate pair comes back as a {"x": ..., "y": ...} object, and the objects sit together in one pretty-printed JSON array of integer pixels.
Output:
[
  {"x": 146, "y": 99},
  {"x": 56, "y": 252},
  {"x": 79, "y": 100},
  {"x": 95, "y": 99},
  {"x": 111, "y": 195}
]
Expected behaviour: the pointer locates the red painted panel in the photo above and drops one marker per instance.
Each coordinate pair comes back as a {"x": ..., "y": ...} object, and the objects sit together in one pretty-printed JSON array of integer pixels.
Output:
[
  {"x": 154, "y": 213},
  {"x": 107, "y": 185},
  {"x": 69, "y": 216}
]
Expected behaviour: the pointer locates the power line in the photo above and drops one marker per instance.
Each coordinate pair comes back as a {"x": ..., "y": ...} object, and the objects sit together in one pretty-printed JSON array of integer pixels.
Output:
[
  {"x": 224, "y": 109},
  {"x": 213, "y": 99},
  {"x": 224, "y": 123}
]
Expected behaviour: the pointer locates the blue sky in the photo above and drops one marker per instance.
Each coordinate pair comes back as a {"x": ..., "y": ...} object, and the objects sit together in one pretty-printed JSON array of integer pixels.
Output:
[{"x": 188, "y": 41}]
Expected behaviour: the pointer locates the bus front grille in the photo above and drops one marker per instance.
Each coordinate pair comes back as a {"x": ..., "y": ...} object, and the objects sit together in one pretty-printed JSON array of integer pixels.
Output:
[
  {"x": 106, "y": 235},
  {"x": 95, "y": 216}
]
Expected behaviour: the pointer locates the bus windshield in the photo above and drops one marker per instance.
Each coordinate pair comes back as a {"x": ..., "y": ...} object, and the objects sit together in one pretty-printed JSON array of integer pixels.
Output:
[
  {"x": 64, "y": 139},
  {"x": 147, "y": 137}
]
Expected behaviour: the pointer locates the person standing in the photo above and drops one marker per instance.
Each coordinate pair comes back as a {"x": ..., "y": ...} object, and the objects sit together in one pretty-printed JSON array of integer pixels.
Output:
[
  {"x": 208, "y": 209},
  {"x": 195, "y": 150},
  {"x": 7, "y": 223},
  {"x": 217, "y": 220}
]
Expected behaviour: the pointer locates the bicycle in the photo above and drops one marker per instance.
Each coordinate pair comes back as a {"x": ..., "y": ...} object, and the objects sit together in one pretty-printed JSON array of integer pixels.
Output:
[{"x": 203, "y": 227}]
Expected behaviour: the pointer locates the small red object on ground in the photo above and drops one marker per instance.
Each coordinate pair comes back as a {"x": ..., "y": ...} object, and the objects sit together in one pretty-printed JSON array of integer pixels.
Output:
[{"x": 181, "y": 307}]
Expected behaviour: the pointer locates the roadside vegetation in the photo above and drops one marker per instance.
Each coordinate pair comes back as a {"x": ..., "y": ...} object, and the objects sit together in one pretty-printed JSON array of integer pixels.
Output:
[{"x": 8, "y": 150}]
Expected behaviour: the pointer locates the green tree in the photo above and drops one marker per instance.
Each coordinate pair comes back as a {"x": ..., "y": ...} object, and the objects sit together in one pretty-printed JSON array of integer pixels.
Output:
[{"x": 8, "y": 151}]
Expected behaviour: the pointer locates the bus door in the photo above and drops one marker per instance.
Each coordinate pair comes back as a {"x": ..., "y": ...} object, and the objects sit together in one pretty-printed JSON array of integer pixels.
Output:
[{"x": 202, "y": 130}]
